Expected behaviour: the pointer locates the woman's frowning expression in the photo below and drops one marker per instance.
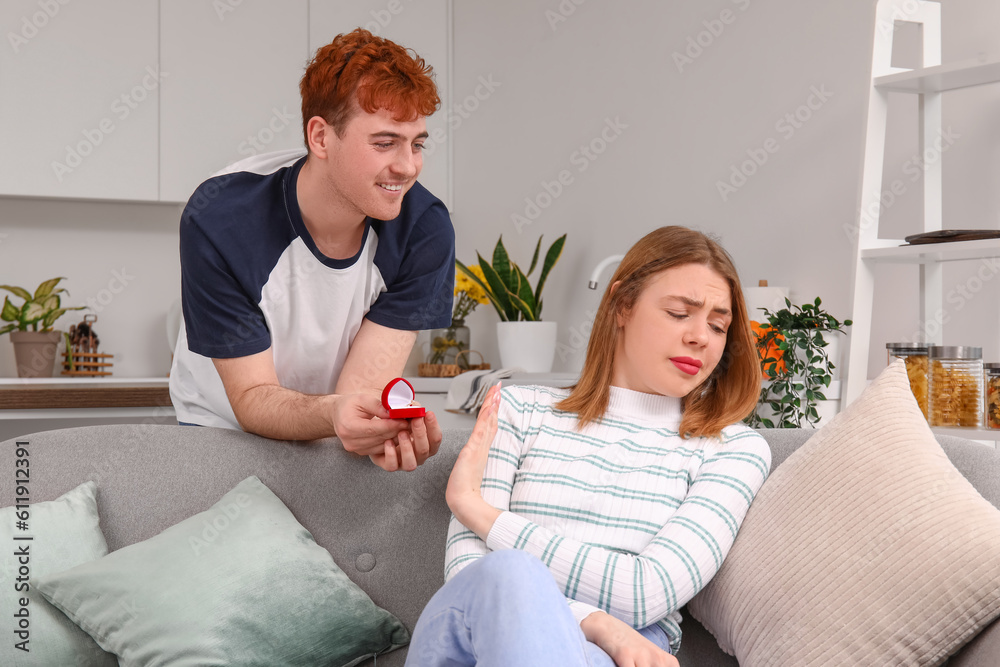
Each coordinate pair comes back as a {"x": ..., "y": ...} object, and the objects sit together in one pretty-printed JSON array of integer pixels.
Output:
[{"x": 674, "y": 336}]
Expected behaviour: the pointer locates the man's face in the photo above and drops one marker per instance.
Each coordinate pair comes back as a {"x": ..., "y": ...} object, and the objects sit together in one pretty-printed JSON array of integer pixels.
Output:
[{"x": 375, "y": 162}]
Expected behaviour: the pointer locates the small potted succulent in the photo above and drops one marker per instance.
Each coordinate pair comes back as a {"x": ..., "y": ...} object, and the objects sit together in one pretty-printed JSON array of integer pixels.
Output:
[{"x": 30, "y": 327}]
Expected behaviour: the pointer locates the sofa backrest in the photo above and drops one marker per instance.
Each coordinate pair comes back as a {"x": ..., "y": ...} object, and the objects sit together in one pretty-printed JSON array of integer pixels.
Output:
[{"x": 386, "y": 530}]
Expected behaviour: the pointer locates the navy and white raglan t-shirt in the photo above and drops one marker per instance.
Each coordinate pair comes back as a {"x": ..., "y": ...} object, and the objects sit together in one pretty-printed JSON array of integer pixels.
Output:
[{"x": 252, "y": 278}]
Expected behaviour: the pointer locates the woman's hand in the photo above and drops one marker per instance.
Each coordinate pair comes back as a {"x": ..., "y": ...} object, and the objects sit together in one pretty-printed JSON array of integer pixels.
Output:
[
  {"x": 463, "y": 493},
  {"x": 624, "y": 644}
]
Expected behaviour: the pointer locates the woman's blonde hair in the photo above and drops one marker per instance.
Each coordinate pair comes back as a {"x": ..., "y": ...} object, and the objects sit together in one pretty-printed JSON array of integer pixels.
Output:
[{"x": 730, "y": 393}]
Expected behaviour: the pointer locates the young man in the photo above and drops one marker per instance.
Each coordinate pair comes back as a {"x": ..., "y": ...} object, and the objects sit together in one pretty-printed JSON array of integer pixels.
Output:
[{"x": 306, "y": 274}]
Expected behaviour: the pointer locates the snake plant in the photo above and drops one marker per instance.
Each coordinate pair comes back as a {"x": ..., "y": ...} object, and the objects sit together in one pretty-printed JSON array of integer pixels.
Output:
[{"x": 507, "y": 286}]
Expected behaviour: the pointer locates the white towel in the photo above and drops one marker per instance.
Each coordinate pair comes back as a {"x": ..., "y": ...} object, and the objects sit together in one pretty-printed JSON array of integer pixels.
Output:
[{"x": 467, "y": 391}]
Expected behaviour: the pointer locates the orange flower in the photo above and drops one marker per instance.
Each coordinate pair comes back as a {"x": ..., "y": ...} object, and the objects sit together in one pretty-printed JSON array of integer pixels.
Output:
[{"x": 761, "y": 331}]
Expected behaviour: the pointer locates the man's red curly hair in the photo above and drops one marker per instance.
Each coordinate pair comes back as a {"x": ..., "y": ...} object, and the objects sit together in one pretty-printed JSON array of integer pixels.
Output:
[{"x": 379, "y": 73}]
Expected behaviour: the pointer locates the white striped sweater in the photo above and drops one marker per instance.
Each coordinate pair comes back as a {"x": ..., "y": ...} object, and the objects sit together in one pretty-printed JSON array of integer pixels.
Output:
[{"x": 630, "y": 518}]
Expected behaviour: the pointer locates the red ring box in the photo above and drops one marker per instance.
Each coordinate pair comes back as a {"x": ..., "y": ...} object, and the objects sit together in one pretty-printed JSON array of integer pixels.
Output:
[{"x": 397, "y": 397}]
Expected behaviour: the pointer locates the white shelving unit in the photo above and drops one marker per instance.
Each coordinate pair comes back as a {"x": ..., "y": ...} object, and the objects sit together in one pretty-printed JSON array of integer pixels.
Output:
[{"x": 929, "y": 83}]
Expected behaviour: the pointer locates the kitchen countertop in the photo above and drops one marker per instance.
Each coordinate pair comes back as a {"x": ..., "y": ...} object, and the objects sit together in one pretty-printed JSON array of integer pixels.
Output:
[{"x": 67, "y": 393}]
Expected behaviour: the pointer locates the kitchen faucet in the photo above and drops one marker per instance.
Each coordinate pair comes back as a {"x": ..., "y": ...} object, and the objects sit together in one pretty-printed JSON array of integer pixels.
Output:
[{"x": 613, "y": 259}]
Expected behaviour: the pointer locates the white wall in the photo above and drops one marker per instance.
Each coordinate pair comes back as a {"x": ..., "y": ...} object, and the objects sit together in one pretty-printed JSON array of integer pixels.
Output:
[
  {"x": 687, "y": 126},
  {"x": 554, "y": 87},
  {"x": 119, "y": 258}
]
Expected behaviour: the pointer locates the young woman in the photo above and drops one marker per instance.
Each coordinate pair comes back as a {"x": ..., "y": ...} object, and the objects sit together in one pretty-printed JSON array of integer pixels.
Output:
[{"x": 585, "y": 518}]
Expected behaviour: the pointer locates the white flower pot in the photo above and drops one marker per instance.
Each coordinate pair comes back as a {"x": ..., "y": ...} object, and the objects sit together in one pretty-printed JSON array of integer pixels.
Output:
[{"x": 529, "y": 346}]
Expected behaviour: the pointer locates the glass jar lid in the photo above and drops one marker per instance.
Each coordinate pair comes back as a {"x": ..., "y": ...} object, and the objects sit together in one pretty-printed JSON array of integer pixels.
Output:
[
  {"x": 907, "y": 348},
  {"x": 992, "y": 368},
  {"x": 955, "y": 352}
]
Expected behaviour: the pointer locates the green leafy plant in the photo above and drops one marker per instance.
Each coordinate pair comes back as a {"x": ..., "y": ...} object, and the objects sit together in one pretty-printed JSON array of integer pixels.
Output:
[
  {"x": 795, "y": 364},
  {"x": 507, "y": 286},
  {"x": 39, "y": 310}
]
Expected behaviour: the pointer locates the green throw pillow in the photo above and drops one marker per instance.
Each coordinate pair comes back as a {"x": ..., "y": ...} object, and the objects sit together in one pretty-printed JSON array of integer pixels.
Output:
[
  {"x": 64, "y": 533},
  {"x": 242, "y": 583}
]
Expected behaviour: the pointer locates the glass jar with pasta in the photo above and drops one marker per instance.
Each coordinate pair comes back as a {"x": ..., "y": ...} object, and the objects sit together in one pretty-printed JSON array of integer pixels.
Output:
[
  {"x": 991, "y": 392},
  {"x": 914, "y": 355},
  {"x": 955, "y": 386}
]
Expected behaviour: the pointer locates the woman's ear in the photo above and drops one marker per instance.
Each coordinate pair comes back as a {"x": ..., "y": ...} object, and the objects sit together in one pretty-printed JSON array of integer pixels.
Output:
[{"x": 620, "y": 317}]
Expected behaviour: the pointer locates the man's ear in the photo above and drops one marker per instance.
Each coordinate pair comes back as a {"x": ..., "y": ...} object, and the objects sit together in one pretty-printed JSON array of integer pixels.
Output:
[{"x": 320, "y": 136}]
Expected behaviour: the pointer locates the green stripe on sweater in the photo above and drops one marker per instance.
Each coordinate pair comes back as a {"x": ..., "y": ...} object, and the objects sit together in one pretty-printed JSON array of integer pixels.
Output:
[
  {"x": 605, "y": 489},
  {"x": 704, "y": 536},
  {"x": 592, "y": 518}
]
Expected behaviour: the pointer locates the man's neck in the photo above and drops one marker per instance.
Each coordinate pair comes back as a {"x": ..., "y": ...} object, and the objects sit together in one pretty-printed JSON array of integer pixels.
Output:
[{"x": 336, "y": 228}]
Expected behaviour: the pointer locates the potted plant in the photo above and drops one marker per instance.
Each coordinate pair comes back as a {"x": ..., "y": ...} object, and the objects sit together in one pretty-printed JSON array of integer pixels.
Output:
[
  {"x": 30, "y": 327},
  {"x": 525, "y": 341},
  {"x": 448, "y": 342},
  {"x": 793, "y": 346}
]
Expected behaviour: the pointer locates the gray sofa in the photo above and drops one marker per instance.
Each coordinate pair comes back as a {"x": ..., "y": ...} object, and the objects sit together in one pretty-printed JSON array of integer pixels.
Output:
[{"x": 152, "y": 476}]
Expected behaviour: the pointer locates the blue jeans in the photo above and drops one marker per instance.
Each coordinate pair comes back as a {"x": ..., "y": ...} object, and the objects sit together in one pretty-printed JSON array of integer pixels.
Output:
[{"x": 505, "y": 609}]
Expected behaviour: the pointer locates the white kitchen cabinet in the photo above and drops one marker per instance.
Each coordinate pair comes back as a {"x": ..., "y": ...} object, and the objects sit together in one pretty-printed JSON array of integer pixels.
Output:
[
  {"x": 422, "y": 26},
  {"x": 233, "y": 85},
  {"x": 143, "y": 100},
  {"x": 79, "y": 98}
]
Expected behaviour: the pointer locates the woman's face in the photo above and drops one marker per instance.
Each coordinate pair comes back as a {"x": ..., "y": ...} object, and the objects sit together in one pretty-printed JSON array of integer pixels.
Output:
[{"x": 675, "y": 335}]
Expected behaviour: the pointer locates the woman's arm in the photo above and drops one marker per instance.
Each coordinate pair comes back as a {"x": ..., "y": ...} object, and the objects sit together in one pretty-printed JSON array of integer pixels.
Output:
[
  {"x": 681, "y": 557},
  {"x": 480, "y": 484}
]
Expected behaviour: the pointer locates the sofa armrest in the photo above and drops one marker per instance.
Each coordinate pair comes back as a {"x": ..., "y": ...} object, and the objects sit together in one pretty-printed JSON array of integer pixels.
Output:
[{"x": 982, "y": 651}]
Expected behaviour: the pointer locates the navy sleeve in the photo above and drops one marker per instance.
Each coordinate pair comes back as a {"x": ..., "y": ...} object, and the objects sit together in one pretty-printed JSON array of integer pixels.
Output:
[
  {"x": 420, "y": 292},
  {"x": 221, "y": 319}
]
